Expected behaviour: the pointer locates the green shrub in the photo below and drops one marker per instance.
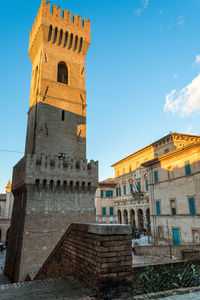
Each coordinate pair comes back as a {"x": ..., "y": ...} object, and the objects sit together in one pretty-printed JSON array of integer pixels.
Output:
[{"x": 166, "y": 278}]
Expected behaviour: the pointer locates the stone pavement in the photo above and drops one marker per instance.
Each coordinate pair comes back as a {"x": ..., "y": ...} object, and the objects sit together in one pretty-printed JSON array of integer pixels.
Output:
[
  {"x": 191, "y": 296},
  {"x": 141, "y": 260},
  {"x": 49, "y": 289}
]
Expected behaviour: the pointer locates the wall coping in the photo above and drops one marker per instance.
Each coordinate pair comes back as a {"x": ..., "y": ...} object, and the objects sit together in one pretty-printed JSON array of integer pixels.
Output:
[{"x": 109, "y": 229}]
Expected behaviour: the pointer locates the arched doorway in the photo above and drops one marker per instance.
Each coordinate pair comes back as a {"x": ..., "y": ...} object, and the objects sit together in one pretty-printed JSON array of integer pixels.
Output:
[
  {"x": 7, "y": 236},
  {"x": 140, "y": 220},
  {"x": 119, "y": 217},
  {"x": 148, "y": 220},
  {"x": 125, "y": 217},
  {"x": 132, "y": 219}
]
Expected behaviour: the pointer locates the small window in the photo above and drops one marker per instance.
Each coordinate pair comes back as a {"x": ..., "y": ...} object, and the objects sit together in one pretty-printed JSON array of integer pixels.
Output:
[
  {"x": 137, "y": 174},
  {"x": 187, "y": 168},
  {"x": 166, "y": 150},
  {"x": 160, "y": 232},
  {"x": 50, "y": 33},
  {"x": 104, "y": 211},
  {"x": 55, "y": 35},
  {"x": 139, "y": 187},
  {"x": 81, "y": 45},
  {"x": 158, "y": 208},
  {"x": 131, "y": 189},
  {"x": 63, "y": 115},
  {"x": 111, "y": 211},
  {"x": 62, "y": 73},
  {"x": 124, "y": 190},
  {"x": 147, "y": 185},
  {"x": 117, "y": 192},
  {"x": 155, "y": 176},
  {"x": 173, "y": 207},
  {"x": 192, "y": 206}
]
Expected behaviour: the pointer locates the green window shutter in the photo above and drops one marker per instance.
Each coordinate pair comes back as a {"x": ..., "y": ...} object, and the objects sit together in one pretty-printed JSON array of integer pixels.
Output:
[
  {"x": 131, "y": 188},
  {"x": 192, "y": 206},
  {"x": 147, "y": 185},
  {"x": 187, "y": 168},
  {"x": 124, "y": 190},
  {"x": 101, "y": 193},
  {"x": 107, "y": 193},
  {"x": 139, "y": 187},
  {"x": 117, "y": 192},
  {"x": 111, "y": 211},
  {"x": 120, "y": 191},
  {"x": 104, "y": 211},
  {"x": 111, "y": 193},
  {"x": 155, "y": 176},
  {"x": 158, "y": 208}
]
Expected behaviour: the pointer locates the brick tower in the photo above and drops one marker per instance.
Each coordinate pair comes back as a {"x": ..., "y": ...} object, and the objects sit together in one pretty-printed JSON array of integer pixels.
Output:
[{"x": 53, "y": 185}]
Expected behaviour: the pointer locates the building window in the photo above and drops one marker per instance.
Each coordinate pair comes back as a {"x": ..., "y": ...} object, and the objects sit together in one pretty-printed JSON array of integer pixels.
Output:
[
  {"x": 111, "y": 211},
  {"x": 63, "y": 115},
  {"x": 131, "y": 189},
  {"x": 147, "y": 185},
  {"x": 137, "y": 174},
  {"x": 118, "y": 191},
  {"x": 139, "y": 187},
  {"x": 160, "y": 232},
  {"x": 166, "y": 150},
  {"x": 187, "y": 168},
  {"x": 106, "y": 193},
  {"x": 173, "y": 207},
  {"x": 62, "y": 73},
  {"x": 104, "y": 211},
  {"x": 124, "y": 190},
  {"x": 155, "y": 176},
  {"x": 192, "y": 206},
  {"x": 158, "y": 208},
  {"x": 130, "y": 169}
]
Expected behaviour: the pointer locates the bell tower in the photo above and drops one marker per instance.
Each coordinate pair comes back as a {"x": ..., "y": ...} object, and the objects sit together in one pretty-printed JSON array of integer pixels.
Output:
[
  {"x": 57, "y": 111},
  {"x": 53, "y": 184}
]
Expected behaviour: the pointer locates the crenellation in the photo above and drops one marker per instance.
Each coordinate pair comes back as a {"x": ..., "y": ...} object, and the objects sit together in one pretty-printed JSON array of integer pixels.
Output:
[
  {"x": 56, "y": 10},
  {"x": 74, "y": 25}
]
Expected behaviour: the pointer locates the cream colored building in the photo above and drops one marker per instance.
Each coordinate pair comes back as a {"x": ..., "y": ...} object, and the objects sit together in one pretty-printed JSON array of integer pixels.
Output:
[
  {"x": 132, "y": 197},
  {"x": 174, "y": 185},
  {"x": 104, "y": 201},
  {"x": 6, "y": 205}
]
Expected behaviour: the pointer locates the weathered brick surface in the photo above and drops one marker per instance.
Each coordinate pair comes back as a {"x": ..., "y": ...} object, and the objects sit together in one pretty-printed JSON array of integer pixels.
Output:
[
  {"x": 161, "y": 253},
  {"x": 102, "y": 265}
]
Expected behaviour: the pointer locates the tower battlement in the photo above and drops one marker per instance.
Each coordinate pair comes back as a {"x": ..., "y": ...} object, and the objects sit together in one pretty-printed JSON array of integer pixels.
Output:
[
  {"x": 63, "y": 28},
  {"x": 55, "y": 169}
]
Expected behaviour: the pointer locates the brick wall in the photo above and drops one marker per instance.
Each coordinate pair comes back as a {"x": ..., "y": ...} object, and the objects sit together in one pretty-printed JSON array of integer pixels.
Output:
[
  {"x": 160, "y": 253},
  {"x": 99, "y": 255}
]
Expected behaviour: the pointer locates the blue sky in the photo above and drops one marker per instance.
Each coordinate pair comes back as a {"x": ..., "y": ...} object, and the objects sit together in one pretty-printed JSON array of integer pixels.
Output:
[{"x": 142, "y": 75}]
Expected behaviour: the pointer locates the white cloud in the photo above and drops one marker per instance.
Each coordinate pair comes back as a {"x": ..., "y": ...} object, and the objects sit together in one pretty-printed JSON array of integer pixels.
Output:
[
  {"x": 197, "y": 59},
  {"x": 138, "y": 11},
  {"x": 186, "y": 101},
  {"x": 181, "y": 20}
]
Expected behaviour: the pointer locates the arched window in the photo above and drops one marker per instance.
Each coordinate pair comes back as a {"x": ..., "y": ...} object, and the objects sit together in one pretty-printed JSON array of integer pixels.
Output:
[{"x": 62, "y": 73}]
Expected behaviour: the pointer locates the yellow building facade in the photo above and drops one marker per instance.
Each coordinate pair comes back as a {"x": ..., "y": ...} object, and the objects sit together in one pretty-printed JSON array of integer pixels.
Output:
[{"x": 132, "y": 196}]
